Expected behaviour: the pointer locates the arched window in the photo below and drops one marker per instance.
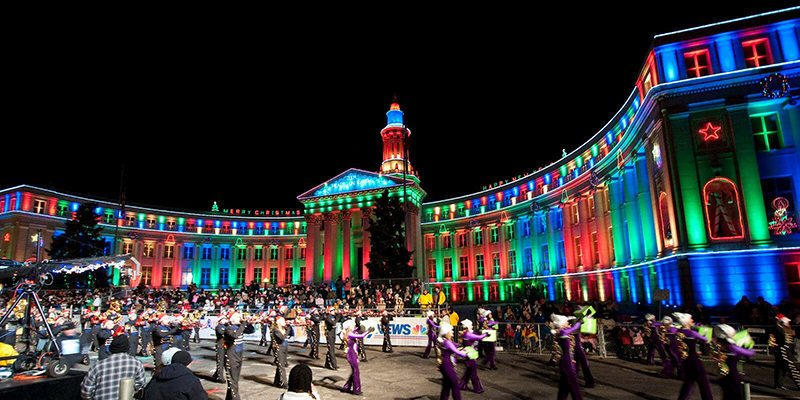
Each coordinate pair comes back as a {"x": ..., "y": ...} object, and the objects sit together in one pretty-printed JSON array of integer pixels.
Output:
[
  {"x": 722, "y": 209},
  {"x": 666, "y": 227}
]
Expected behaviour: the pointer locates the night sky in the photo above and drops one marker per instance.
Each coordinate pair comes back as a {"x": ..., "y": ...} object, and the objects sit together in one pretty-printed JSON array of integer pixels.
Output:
[{"x": 252, "y": 116}]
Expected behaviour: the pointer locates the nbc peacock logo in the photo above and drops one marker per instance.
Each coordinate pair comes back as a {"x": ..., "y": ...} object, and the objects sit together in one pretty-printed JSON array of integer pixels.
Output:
[{"x": 419, "y": 330}]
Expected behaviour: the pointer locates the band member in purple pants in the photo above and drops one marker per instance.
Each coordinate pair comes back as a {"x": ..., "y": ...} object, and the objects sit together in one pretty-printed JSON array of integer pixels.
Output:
[
  {"x": 655, "y": 344},
  {"x": 693, "y": 370},
  {"x": 568, "y": 379},
  {"x": 353, "y": 384},
  {"x": 432, "y": 327},
  {"x": 672, "y": 349},
  {"x": 470, "y": 339},
  {"x": 731, "y": 380},
  {"x": 448, "y": 368}
]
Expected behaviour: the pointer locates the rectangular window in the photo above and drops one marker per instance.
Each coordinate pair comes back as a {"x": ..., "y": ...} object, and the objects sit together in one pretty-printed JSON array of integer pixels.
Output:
[
  {"x": 257, "y": 275},
  {"x": 445, "y": 241},
  {"x": 430, "y": 243},
  {"x": 273, "y": 253},
  {"x": 512, "y": 262},
  {"x": 302, "y": 273},
  {"x": 169, "y": 251},
  {"x": 510, "y": 232},
  {"x": 39, "y": 206},
  {"x": 697, "y": 63},
  {"x": 545, "y": 257},
  {"x": 188, "y": 252},
  {"x": 766, "y": 132},
  {"x": 463, "y": 266},
  {"x": 578, "y": 253},
  {"x": 756, "y": 53},
  {"x": 273, "y": 275},
  {"x": 289, "y": 254},
  {"x": 772, "y": 188},
  {"x": 528, "y": 260},
  {"x": 147, "y": 250},
  {"x": 558, "y": 220},
  {"x": 575, "y": 215},
  {"x": 494, "y": 235},
  {"x": 542, "y": 224},
  {"x": 147, "y": 274},
  {"x": 595, "y": 248},
  {"x": 479, "y": 265},
  {"x": 562, "y": 255},
  {"x": 477, "y": 237},
  {"x": 448, "y": 267},
  {"x": 590, "y": 205},
  {"x": 462, "y": 240},
  {"x": 205, "y": 276},
  {"x": 258, "y": 253},
  {"x": 496, "y": 263},
  {"x": 127, "y": 248},
  {"x": 526, "y": 228},
  {"x": 207, "y": 253},
  {"x": 288, "y": 276},
  {"x": 611, "y": 243},
  {"x": 224, "y": 253},
  {"x": 432, "y": 268},
  {"x": 241, "y": 253},
  {"x": 240, "y": 273},
  {"x": 302, "y": 253},
  {"x": 223, "y": 277}
]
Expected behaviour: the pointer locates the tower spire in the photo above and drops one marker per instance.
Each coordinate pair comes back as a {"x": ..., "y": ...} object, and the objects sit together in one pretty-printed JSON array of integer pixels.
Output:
[{"x": 395, "y": 143}]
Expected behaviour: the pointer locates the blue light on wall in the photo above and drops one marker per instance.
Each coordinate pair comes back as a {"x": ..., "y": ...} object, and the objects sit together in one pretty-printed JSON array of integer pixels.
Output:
[
  {"x": 669, "y": 63},
  {"x": 609, "y": 138},
  {"x": 547, "y": 179},
  {"x": 74, "y": 207},
  {"x": 789, "y": 45},
  {"x": 727, "y": 58},
  {"x": 351, "y": 182}
]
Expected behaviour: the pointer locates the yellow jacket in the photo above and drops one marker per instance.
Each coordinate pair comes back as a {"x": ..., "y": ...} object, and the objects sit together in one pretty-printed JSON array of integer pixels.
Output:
[{"x": 425, "y": 300}]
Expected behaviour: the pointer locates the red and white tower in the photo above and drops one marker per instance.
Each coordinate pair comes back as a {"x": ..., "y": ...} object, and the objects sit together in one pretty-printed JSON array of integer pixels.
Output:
[{"x": 395, "y": 141}]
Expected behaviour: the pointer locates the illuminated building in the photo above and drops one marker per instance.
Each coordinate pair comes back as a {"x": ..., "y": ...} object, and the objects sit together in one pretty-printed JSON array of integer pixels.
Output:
[{"x": 691, "y": 187}]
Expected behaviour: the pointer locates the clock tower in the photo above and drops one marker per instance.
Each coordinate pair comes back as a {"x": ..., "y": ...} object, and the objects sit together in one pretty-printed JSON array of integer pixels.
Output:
[{"x": 395, "y": 144}]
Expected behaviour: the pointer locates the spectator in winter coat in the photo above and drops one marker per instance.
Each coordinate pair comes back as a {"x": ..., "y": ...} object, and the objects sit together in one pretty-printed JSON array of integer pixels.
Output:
[{"x": 175, "y": 381}]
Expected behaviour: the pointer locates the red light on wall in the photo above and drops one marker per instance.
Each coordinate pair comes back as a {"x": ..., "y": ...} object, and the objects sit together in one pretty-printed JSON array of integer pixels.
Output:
[{"x": 710, "y": 132}]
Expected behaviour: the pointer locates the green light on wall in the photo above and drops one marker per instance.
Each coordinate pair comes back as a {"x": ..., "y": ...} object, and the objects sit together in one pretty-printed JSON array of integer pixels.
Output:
[
  {"x": 141, "y": 217},
  {"x": 563, "y": 170},
  {"x": 595, "y": 151},
  {"x": 579, "y": 162},
  {"x": 181, "y": 221},
  {"x": 161, "y": 219}
]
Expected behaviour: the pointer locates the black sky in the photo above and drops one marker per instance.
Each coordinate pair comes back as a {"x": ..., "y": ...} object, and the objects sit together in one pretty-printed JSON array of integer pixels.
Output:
[{"x": 253, "y": 115}]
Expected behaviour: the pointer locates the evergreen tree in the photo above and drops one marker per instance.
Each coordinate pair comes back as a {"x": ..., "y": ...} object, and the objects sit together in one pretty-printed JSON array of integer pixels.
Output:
[
  {"x": 389, "y": 256},
  {"x": 81, "y": 239}
]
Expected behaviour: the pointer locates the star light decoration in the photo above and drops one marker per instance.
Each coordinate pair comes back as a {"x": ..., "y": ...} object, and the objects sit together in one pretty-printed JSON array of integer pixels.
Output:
[
  {"x": 710, "y": 132},
  {"x": 781, "y": 223}
]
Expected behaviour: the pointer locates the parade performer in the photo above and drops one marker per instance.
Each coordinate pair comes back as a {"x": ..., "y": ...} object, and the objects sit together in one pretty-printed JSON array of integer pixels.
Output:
[
  {"x": 672, "y": 349},
  {"x": 219, "y": 330},
  {"x": 568, "y": 375},
  {"x": 234, "y": 346},
  {"x": 104, "y": 337},
  {"x": 271, "y": 349},
  {"x": 582, "y": 360},
  {"x": 314, "y": 333},
  {"x": 353, "y": 384},
  {"x": 470, "y": 340},
  {"x": 489, "y": 326},
  {"x": 331, "y": 319},
  {"x": 264, "y": 326},
  {"x": 655, "y": 341},
  {"x": 86, "y": 334},
  {"x": 783, "y": 340},
  {"x": 279, "y": 337},
  {"x": 693, "y": 370},
  {"x": 386, "y": 319},
  {"x": 198, "y": 324},
  {"x": 132, "y": 329},
  {"x": 727, "y": 353},
  {"x": 448, "y": 368},
  {"x": 432, "y": 328},
  {"x": 146, "y": 333},
  {"x": 362, "y": 352},
  {"x": 187, "y": 324},
  {"x": 161, "y": 337}
]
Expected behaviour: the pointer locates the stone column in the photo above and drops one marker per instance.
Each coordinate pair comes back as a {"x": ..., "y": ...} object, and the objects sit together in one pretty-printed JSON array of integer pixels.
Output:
[
  {"x": 366, "y": 214},
  {"x": 346, "y": 244},
  {"x": 331, "y": 241},
  {"x": 645, "y": 200},
  {"x": 312, "y": 243}
]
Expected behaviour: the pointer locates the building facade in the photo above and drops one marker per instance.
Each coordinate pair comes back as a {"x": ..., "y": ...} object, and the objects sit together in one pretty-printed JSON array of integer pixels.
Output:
[{"x": 687, "y": 195}]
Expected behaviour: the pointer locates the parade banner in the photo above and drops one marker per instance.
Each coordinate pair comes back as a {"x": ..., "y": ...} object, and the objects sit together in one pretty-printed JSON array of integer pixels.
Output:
[{"x": 404, "y": 331}]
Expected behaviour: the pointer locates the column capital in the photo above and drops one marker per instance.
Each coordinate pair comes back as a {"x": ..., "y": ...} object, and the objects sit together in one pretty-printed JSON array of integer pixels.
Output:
[
  {"x": 331, "y": 216},
  {"x": 313, "y": 219},
  {"x": 346, "y": 214},
  {"x": 366, "y": 212}
]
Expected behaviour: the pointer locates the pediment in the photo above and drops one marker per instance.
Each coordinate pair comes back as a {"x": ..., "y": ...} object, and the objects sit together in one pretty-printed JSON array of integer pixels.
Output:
[{"x": 354, "y": 181}]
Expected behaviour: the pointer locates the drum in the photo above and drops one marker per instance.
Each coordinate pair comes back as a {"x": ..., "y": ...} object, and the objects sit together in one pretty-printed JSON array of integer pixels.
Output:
[
  {"x": 492, "y": 335},
  {"x": 589, "y": 326}
]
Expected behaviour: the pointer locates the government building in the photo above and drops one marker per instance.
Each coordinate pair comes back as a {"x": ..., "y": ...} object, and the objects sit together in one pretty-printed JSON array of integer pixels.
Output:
[{"x": 687, "y": 195}]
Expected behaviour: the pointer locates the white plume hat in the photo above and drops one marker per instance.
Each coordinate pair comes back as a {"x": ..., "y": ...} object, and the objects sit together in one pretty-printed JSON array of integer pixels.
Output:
[
  {"x": 444, "y": 329},
  {"x": 467, "y": 323}
]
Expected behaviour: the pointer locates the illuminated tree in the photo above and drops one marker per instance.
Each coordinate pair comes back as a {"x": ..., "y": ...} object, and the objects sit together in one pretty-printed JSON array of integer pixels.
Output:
[
  {"x": 389, "y": 256},
  {"x": 81, "y": 239}
]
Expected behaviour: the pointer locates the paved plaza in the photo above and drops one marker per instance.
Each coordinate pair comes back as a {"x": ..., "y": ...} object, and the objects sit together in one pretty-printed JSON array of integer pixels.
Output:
[{"x": 404, "y": 374}]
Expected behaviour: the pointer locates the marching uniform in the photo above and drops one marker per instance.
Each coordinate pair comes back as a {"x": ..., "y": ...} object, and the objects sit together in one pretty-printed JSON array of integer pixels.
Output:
[
  {"x": 219, "y": 344},
  {"x": 489, "y": 347},
  {"x": 386, "y": 319},
  {"x": 447, "y": 368},
  {"x": 353, "y": 384},
  {"x": 161, "y": 338},
  {"x": 279, "y": 339},
  {"x": 653, "y": 330},
  {"x": 362, "y": 353},
  {"x": 582, "y": 360},
  {"x": 783, "y": 340},
  {"x": 314, "y": 335},
  {"x": 673, "y": 350},
  {"x": 330, "y": 337},
  {"x": 104, "y": 337},
  {"x": 693, "y": 370},
  {"x": 471, "y": 339},
  {"x": 133, "y": 334},
  {"x": 568, "y": 375},
  {"x": 432, "y": 328},
  {"x": 727, "y": 355},
  {"x": 234, "y": 346}
]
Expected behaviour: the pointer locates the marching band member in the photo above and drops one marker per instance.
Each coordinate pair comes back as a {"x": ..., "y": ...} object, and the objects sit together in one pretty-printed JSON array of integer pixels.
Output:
[
  {"x": 362, "y": 352},
  {"x": 353, "y": 384},
  {"x": 331, "y": 319},
  {"x": 672, "y": 349},
  {"x": 448, "y": 369},
  {"x": 386, "y": 319},
  {"x": 219, "y": 344},
  {"x": 187, "y": 323},
  {"x": 471, "y": 373},
  {"x": 582, "y": 360},
  {"x": 693, "y": 370},
  {"x": 104, "y": 337},
  {"x": 279, "y": 337},
  {"x": 133, "y": 332},
  {"x": 783, "y": 340},
  {"x": 568, "y": 375},
  {"x": 432, "y": 327},
  {"x": 161, "y": 334},
  {"x": 728, "y": 357},
  {"x": 147, "y": 329},
  {"x": 234, "y": 346},
  {"x": 314, "y": 333},
  {"x": 489, "y": 346}
]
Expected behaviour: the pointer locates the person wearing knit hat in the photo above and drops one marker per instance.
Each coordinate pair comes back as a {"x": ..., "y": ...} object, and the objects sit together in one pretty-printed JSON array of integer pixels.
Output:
[
  {"x": 471, "y": 372},
  {"x": 432, "y": 327},
  {"x": 731, "y": 380},
  {"x": 166, "y": 356},
  {"x": 175, "y": 381},
  {"x": 300, "y": 386},
  {"x": 783, "y": 341},
  {"x": 693, "y": 370},
  {"x": 103, "y": 378},
  {"x": 448, "y": 368},
  {"x": 353, "y": 384}
]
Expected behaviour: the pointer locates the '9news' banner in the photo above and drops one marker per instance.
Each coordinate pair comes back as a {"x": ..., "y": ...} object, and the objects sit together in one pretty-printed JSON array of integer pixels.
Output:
[{"x": 404, "y": 331}]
